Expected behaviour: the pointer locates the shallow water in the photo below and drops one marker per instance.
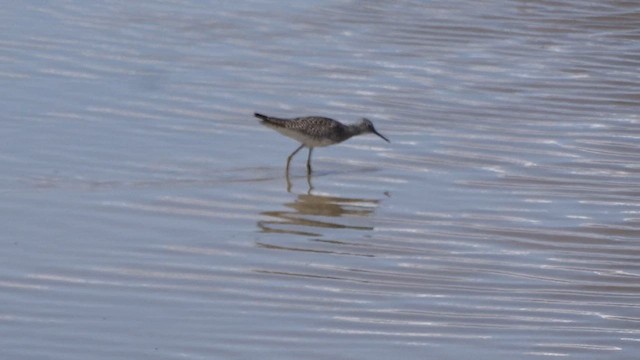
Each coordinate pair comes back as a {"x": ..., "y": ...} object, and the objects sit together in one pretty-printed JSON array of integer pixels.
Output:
[{"x": 146, "y": 213}]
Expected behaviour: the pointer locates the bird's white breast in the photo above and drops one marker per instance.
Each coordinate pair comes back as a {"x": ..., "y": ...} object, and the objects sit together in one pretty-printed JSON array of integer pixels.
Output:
[{"x": 308, "y": 141}]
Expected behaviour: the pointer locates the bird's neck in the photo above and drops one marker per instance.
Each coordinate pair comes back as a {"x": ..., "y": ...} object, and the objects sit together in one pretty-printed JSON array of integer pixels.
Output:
[{"x": 354, "y": 129}]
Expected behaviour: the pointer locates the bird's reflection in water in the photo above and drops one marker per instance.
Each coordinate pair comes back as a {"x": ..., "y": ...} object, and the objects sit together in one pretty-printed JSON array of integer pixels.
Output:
[{"x": 308, "y": 214}]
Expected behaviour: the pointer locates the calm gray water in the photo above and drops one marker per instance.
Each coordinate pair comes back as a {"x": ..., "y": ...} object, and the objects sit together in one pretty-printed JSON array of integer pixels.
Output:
[{"x": 145, "y": 213}]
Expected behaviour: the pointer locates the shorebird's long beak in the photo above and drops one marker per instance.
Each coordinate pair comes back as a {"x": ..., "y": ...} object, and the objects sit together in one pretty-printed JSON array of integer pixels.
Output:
[{"x": 377, "y": 133}]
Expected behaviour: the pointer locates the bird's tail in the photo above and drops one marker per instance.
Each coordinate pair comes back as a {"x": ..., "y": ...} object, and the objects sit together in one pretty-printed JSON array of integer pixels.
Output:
[
  {"x": 260, "y": 116},
  {"x": 270, "y": 121}
]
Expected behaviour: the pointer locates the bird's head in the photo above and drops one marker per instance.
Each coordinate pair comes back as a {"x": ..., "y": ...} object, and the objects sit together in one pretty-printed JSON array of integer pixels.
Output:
[{"x": 367, "y": 126}]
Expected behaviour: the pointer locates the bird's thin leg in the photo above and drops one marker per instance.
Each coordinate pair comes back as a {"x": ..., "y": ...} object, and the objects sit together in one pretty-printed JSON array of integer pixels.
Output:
[
  {"x": 291, "y": 156},
  {"x": 309, "y": 183},
  {"x": 288, "y": 181},
  {"x": 309, "y": 161}
]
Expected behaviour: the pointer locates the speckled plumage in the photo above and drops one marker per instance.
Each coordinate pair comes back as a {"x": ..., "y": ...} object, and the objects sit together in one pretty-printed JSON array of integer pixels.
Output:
[
  {"x": 312, "y": 131},
  {"x": 316, "y": 131}
]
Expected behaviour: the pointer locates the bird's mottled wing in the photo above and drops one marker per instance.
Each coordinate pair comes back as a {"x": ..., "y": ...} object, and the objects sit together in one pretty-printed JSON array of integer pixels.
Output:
[{"x": 317, "y": 126}]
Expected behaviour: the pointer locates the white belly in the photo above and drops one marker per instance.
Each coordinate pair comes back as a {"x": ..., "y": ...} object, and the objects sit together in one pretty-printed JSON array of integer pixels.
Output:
[{"x": 308, "y": 141}]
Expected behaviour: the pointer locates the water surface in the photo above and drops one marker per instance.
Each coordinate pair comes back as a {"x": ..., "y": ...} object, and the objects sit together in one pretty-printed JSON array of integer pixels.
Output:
[{"x": 146, "y": 214}]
